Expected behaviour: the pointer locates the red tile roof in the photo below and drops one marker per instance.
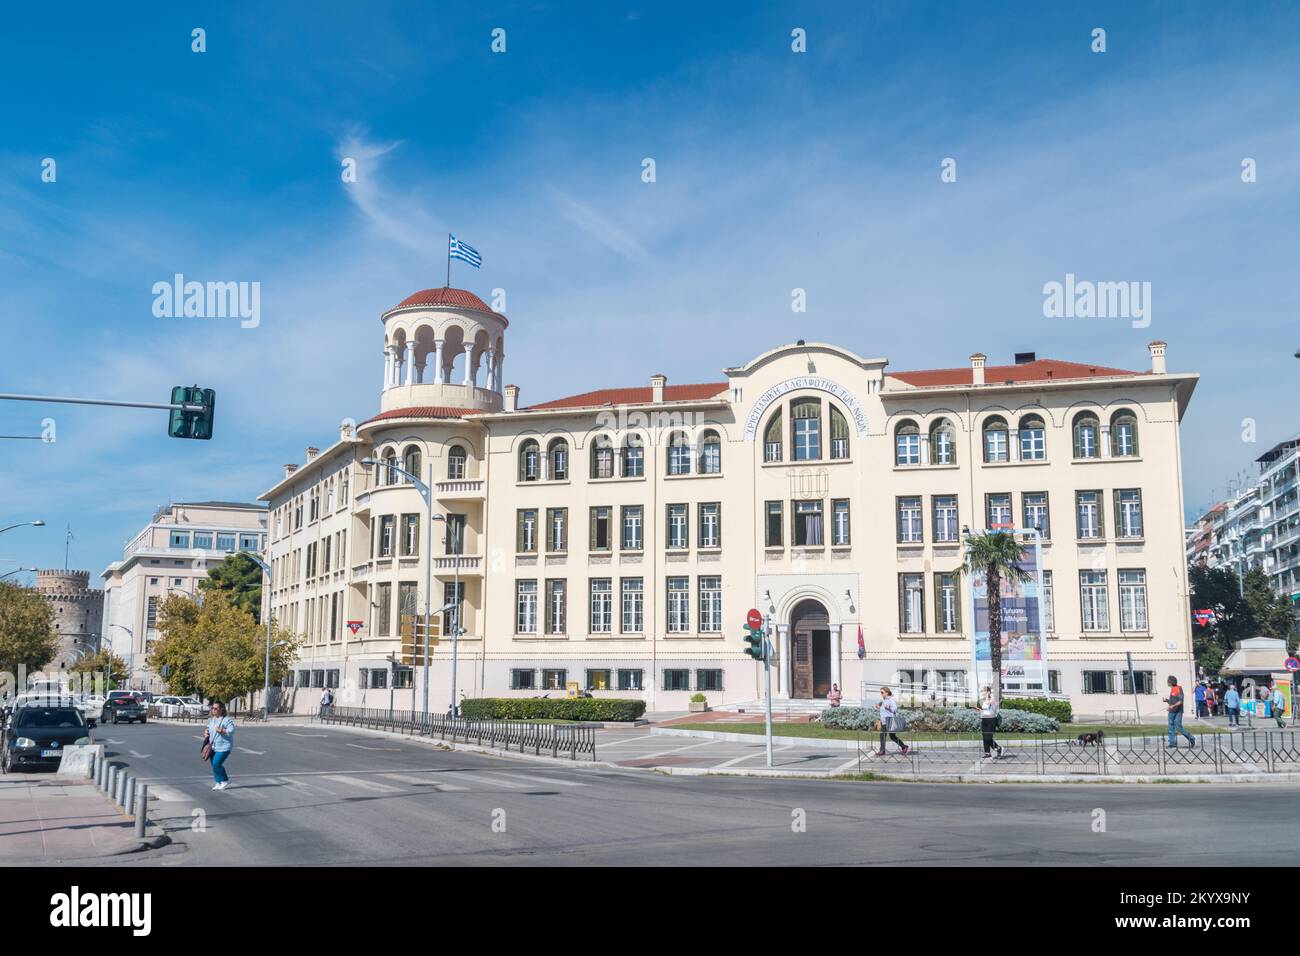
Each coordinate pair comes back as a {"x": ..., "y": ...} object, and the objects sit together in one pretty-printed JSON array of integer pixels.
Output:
[
  {"x": 424, "y": 411},
  {"x": 1042, "y": 370},
  {"x": 634, "y": 396},
  {"x": 453, "y": 298}
]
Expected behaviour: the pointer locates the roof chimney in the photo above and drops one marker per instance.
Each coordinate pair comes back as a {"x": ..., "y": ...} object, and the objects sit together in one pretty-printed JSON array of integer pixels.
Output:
[
  {"x": 1157, "y": 357},
  {"x": 347, "y": 430},
  {"x": 512, "y": 398},
  {"x": 977, "y": 368},
  {"x": 312, "y": 452},
  {"x": 657, "y": 383},
  {"x": 289, "y": 470}
]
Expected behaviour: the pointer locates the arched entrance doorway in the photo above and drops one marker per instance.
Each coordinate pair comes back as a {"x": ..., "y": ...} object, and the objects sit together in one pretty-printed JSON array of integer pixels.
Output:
[{"x": 810, "y": 650}]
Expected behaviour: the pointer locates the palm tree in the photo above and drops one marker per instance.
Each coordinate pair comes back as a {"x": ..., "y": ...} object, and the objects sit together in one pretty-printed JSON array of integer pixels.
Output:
[{"x": 997, "y": 556}]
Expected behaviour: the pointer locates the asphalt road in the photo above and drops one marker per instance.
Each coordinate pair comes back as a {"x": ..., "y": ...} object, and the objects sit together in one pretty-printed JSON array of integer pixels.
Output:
[{"x": 324, "y": 795}]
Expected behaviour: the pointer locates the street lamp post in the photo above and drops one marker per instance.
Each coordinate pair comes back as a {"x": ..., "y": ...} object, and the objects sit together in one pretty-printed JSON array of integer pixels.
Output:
[
  {"x": 266, "y": 673},
  {"x": 130, "y": 666},
  {"x": 15, "y": 571},
  {"x": 38, "y": 523}
]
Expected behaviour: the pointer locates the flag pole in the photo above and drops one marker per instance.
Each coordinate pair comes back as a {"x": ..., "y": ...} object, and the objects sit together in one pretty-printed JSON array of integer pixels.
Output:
[{"x": 448, "y": 260}]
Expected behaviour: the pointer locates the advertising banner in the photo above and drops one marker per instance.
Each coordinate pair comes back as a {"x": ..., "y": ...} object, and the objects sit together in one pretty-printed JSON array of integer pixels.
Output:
[{"x": 1024, "y": 656}]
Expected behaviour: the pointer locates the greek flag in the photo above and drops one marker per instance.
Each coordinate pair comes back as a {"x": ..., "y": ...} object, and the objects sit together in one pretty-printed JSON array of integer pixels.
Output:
[{"x": 460, "y": 250}]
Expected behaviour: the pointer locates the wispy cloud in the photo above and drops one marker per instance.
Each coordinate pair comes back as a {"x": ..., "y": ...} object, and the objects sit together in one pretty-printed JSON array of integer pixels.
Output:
[{"x": 599, "y": 227}]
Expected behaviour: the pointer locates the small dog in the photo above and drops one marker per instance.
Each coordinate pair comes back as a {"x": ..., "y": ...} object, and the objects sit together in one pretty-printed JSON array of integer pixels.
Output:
[{"x": 1091, "y": 740}]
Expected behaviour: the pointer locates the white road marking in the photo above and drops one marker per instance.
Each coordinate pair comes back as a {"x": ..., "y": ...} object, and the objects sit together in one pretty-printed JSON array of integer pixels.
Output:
[
  {"x": 546, "y": 780},
  {"x": 664, "y": 753},
  {"x": 490, "y": 781},
  {"x": 735, "y": 760},
  {"x": 364, "y": 784},
  {"x": 112, "y": 741},
  {"x": 620, "y": 743},
  {"x": 846, "y": 765},
  {"x": 364, "y": 747},
  {"x": 160, "y": 791},
  {"x": 257, "y": 753},
  {"x": 136, "y": 753},
  {"x": 428, "y": 781},
  {"x": 292, "y": 734}
]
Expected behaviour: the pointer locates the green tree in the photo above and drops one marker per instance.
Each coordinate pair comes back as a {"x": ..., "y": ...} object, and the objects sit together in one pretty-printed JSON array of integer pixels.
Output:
[
  {"x": 112, "y": 668},
  {"x": 997, "y": 556},
  {"x": 237, "y": 575},
  {"x": 1242, "y": 609},
  {"x": 216, "y": 649},
  {"x": 27, "y": 637}
]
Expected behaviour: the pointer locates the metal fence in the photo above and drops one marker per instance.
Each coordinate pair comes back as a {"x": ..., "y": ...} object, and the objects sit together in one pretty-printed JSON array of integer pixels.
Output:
[
  {"x": 574, "y": 741},
  {"x": 1240, "y": 752}
]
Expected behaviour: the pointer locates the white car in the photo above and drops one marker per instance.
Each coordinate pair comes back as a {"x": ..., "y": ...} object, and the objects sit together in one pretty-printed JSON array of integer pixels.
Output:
[
  {"x": 173, "y": 706},
  {"x": 91, "y": 706}
]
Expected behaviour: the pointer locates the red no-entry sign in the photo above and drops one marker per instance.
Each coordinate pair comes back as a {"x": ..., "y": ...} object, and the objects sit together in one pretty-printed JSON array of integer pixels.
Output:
[{"x": 754, "y": 619}]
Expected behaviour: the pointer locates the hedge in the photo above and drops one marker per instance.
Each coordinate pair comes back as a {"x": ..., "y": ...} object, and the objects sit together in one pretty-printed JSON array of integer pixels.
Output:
[
  {"x": 1059, "y": 709},
  {"x": 939, "y": 719},
  {"x": 548, "y": 708}
]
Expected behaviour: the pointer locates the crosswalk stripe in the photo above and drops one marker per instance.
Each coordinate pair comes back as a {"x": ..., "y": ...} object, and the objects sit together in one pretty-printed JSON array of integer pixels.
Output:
[
  {"x": 545, "y": 780},
  {"x": 364, "y": 784},
  {"x": 489, "y": 781}
]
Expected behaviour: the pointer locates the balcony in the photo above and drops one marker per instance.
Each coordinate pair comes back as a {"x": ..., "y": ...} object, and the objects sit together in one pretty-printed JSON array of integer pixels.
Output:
[
  {"x": 459, "y": 488},
  {"x": 467, "y": 564}
]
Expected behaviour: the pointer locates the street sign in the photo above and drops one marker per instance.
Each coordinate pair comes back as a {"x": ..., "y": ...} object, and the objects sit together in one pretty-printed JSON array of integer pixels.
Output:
[
  {"x": 355, "y": 626},
  {"x": 753, "y": 620},
  {"x": 1292, "y": 664}
]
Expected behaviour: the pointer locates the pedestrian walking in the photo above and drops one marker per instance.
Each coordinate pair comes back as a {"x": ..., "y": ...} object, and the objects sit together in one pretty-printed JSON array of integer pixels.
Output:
[
  {"x": 326, "y": 701},
  {"x": 1199, "y": 694},
  {"x": 221, "y": 738},
  {"x": 1175, "y": 702},
  {"x": 889, "y": 721},
  {"x": 1278, "y": 705},
  {"x": 1232, "y": 705},
  {"x": 989, "y": 723},
  {"x": 835, "y": 696},
  {"x": 1211, "y": 701}
]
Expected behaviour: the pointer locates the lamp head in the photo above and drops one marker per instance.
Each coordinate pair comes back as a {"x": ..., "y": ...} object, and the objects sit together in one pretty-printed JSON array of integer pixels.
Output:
[{"x": 38, "y": 523}]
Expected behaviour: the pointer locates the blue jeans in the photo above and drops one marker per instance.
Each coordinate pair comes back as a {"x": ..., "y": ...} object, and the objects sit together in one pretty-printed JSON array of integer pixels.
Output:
[
  {"x": 1234, "y": 716},
  {"x": 219, "y": 774},
  {"x": 1176, "y": 728}
]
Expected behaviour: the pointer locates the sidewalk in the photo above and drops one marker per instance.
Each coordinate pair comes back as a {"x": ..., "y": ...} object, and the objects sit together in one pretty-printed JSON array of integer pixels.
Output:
[{"x": 49, "y": 820}]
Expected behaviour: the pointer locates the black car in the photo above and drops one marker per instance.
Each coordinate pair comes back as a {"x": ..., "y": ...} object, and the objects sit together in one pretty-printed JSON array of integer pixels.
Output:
[
  {"x": 124, "y": 706},
  {"x": 37, "y": 735}
]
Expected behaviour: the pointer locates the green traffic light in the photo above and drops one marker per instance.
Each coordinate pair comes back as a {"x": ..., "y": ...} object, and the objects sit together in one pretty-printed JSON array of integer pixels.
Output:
[{"x": 192, "y": 423}]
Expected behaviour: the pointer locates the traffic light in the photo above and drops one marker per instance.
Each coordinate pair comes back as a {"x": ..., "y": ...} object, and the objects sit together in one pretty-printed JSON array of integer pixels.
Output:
[
  {"x": 754, "y": 642},
  {"x": 196, "y": 423}
]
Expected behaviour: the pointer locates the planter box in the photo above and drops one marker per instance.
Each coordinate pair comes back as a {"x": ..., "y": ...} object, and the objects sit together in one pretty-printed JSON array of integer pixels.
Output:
[{"x": 698, "y": 707}]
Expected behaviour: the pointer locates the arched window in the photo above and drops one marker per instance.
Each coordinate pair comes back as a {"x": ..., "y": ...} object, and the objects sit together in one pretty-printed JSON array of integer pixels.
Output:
[
  {"x": 456, "y": 463},
  {"x": 411, "y": 460},
  {"x": 557, "y": 458},
  {"x": 679, "y": 454},
  {"x": 711, "y": 454},
  {"x": 529, "y": 461},
  {"x": 806, "y": 413},
  {"x": 839, "y": 434},
  {"x": 995, "y": 439},
  {"x": 390, "y": 469},
  {"x": 602, "y": 457},
  {"x": 907, "y": 443},
  {"x": 1124, "y": 434},
  {"x": 1086, "y": 431},
  {"x": 943, "y": 443},
  {"x": 633, "y": 457},
  {"x": 773, "y": 443},
  {"x": 1033, "y": 438}
]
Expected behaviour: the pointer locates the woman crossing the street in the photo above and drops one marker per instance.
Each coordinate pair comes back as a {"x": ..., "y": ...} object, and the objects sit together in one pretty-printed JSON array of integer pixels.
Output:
[{"x": 220, "y": 737}]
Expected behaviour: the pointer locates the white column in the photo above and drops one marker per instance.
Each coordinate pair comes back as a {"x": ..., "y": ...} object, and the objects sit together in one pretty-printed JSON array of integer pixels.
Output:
[
  {"x": 469, "y": 363},
  {"x": 409, "y": 363},
  {"x": 835, "y": 656},
  {"x": 925, "y": 457},
  {"x": 1105, "y": 441},
  {"x": 783, "y": 638},
  {"x": 439, "y": 376},
  {"x": 501, "y": 375},
  {"x": 388, "y": 365},
  {"x": 490, "y": 383},
  {"x": 1013, "y": 444}
]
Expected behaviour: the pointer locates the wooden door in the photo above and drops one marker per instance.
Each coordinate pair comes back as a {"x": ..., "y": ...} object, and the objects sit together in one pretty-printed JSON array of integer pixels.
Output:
[{"x": 801, "y": 665}]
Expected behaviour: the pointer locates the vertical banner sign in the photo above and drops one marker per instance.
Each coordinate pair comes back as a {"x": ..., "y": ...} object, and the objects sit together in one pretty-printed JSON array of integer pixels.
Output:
[{"x": 1024, "y": 653}]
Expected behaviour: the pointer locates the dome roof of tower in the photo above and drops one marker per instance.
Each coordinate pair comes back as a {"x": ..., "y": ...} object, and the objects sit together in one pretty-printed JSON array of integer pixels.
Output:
[{"x": 448, "y": 298}]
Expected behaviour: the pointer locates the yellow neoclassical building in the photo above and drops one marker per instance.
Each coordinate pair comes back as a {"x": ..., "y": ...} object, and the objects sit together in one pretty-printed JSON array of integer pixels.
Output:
[{"x": 615, "y": 539}]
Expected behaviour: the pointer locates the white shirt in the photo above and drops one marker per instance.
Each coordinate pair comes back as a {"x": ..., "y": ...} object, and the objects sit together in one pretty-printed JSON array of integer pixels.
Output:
[
  {"x": 988, "y": 707},
  {"x": 888, "y": 707}
]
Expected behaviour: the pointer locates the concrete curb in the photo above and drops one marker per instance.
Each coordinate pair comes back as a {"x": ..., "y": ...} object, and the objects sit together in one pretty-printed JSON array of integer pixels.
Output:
[{"x": 886, "y": 777}]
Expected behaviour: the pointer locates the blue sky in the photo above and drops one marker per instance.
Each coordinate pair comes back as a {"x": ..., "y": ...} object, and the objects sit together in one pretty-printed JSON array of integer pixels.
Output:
[{"x": 775, "y": 170}]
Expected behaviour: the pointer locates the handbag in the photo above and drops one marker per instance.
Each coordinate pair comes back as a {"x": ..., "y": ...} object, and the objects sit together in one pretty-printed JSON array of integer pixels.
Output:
[
  {"x": 899, "y": 722},
  {"x": 206, "y": 750}
]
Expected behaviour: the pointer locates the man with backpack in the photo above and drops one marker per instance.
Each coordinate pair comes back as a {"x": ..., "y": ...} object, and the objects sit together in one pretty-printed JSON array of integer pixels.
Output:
[{"x": 326, "y": 701}]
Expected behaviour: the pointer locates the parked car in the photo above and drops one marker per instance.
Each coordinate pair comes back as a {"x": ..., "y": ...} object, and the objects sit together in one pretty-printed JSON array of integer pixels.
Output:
[
  {"x": 38, "y": 734},
  {"x": 173, "y": 706},
  {"x": 125, "y": 705},
  {"x": 92, "y": 706}
]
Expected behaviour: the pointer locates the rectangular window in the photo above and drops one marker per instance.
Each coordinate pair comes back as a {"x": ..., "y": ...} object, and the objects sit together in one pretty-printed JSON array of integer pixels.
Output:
[
  {"x": 945, "y": 517},
  {"x": 385, "y": 538},
  {"x": 1094, "y": 600},
  {"x": 1033, "y": 443},
  {"x": 1088, "y": 514},
  {"x": 1034, "y": 504},
  {"x": 453, "y": 592},
  {"x": 151, "y": 614},
  {"x": 1099, "y": 682},
  {"x": 383, "y": 611},
  {"x": 598, "y": 680},
  {"x": 907, "y": 448},
  {"x": 248, "y": 542},
  {"x": 678, "y": 527},
  {"x": 840, "y": 522},
  {"x": 526, "y": 533},
  {"x": 911, "y": 603},
  {"x": 807, "y": 517},
  {"x": 633, "y": 460},
  {"x": 332, "y": 678},
  {"x": 1049, "y": 604},
  {"x": 1146, "y": 681},
  {"x": 180, "y": 539},
  {"x": 997, "y": 511},
  {"x": 410, "y": 535},
  {"x": 318, "y": 678},
  {"x": 1132, "y": 600},
  {"x": 632, "y": 520},
  {"x": 226, "y": 542},
  {"x": 711, "y": 604},
  {"x": 1128, "y": 512},
  {"x": 630, "y": 679},
  {"x": 602, "y": 461},
  {"x": 775, "y": 524},
  {"x": 526, "y": 607},
  {"x": 1054, "y": 682},
  {"x": 677, "y": 679},
  {"x": 203, "y": 540},
  {"x": 995, "y": 444},
  {"x": 556, "y": 605},
  {"x": 557, "y": 531},
  {"x": 554, "y": 679},
  {"x": 602, "y": 606},
  {"x": 602, "y": 531},
  {"x": 379, "y": 678},
  {"x": 947, "y": 603},
  {"x": 710, "y": 679},
  {"x": 523, "y": 679},
  {"x": 679, "y": 605},
  {"x": 633, "y": 600},
  {"x": 679, "y": 457},
  {"x": 910, "y": 529},
  {"x": 403, "y": 677},
  {"x": 454, "y": 543},
  {"x": 710, "y": 524}
]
